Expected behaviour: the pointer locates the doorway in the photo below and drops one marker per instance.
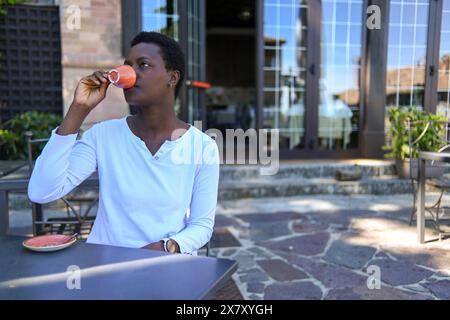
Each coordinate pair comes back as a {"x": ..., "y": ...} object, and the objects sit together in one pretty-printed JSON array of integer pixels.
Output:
[{"x": 230, "y": 64}]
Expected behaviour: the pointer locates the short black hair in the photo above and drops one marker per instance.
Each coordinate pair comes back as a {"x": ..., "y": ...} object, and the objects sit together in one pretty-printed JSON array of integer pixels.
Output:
[{"x": 171, "y": 52}]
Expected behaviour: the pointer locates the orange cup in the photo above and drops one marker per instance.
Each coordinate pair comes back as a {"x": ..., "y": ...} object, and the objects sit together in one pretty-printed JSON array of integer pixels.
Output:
[{"x": 123, "y": 76}]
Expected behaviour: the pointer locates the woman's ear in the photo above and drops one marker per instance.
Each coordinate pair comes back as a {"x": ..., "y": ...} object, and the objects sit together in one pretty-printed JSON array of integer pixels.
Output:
[{"x": 174, "y": 77}]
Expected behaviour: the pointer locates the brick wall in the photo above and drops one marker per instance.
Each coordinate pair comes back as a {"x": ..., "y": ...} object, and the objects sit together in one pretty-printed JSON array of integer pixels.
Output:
[{"x": 95, "y": 45}]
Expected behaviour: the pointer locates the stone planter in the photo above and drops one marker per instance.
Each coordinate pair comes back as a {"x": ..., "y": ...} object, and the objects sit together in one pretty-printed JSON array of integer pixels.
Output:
[{"x": 434, "y": 170}]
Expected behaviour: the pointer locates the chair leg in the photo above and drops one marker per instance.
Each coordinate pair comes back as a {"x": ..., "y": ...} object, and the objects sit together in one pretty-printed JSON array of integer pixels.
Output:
[
  {"x": 436, "y": 206},
  {"x": 61, "y": 228},
  {"x": 36, "y": 212},
  {"x": 91, "y": 205},
  {"x": 207, "y": 249},
  {"x": 78, "y": 228},
  {"x": 438, "y": 225},
  {"x": 413, "y": 211},
  {"x": 67, "y": 211}
]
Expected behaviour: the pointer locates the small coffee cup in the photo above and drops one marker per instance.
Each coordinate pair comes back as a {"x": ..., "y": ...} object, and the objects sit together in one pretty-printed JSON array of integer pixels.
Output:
[{"x": 122, "y": 76}]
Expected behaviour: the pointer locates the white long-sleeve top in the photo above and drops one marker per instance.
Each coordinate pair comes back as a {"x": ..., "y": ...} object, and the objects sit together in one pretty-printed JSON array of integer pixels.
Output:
[{"x": 143, "y": 198}]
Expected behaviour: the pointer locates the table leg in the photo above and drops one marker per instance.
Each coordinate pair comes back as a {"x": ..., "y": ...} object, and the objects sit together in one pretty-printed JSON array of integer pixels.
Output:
[
  {"x": 4, "y": 213},
  {"x": 421, "y": 202}
]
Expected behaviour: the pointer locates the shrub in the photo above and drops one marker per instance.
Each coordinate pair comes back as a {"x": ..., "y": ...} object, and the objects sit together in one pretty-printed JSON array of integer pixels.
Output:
[
  {"x": 397, "y": 143},
  {"x": 12, "y": 135}
]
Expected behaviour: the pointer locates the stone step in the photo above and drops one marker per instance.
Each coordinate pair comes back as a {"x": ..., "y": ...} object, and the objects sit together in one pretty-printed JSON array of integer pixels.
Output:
[
  {"x": 259, "y": 188},
  {"x": 308, "y": 169},
  {"x": 293, "y": 179}
]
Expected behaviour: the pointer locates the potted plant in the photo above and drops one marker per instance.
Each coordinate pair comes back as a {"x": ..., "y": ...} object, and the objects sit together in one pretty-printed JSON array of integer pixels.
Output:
[{"x": 427, "y": 130}]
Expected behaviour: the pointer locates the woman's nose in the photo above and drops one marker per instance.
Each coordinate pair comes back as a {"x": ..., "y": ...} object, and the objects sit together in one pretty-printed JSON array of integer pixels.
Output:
[{"x": 136, "y": 71}]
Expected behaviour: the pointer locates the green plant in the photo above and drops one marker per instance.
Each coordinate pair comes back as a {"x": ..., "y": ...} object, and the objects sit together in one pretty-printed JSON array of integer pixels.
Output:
[
  {"x": 397, "y": 143},
  {"x": 5, "y": 3},
  {"x": 12, "y": 135}
]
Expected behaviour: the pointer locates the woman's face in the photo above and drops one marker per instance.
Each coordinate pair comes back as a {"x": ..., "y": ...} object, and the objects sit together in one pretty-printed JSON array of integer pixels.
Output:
[{"x": 152, "y": 78}]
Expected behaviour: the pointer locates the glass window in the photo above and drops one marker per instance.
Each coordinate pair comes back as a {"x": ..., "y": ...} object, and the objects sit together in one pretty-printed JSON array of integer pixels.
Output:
[
  {"x": 340, "y": 67},
  {"x": 161, "y": 16},
  {"x": 443, "y": 90},
  {"x": 285, "y": 50},
  {"x": 405, "y": 83}
]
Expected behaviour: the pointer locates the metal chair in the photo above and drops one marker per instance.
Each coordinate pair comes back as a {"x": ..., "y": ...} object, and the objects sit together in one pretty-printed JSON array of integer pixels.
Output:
[
  {"x": 76, "y": 221},
  {"x": 207, "y": 248},
  {"x": 441, "y": 183}
]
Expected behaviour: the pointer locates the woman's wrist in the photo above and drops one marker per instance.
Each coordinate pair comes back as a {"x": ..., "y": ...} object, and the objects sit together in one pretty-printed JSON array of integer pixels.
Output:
[
  {"x": 155, "y": 246},
  {"x": 72, "y": 121}
]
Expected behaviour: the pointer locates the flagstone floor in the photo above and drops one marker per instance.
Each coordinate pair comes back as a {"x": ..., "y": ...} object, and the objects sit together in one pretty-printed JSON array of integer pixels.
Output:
[{"x": 331, "y": 247}]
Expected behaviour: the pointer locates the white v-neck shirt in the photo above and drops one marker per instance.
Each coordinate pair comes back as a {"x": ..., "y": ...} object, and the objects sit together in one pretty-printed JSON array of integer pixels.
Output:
[{"x": 143, "y": 197}]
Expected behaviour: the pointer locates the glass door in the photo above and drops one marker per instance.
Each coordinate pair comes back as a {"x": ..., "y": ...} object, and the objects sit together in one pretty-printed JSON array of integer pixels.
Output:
[
  {"x": 285, "y": 70},
  {"x": 195, "y": 59},
  {"x": 443, "y": 65},
  {"x": 162, "y": 16},
  {"x": 182, "y": 20},
  {"x": 407, "y": 54},
  {"x": 340, "y": 70},
  {"x": 312, "y": 53}
]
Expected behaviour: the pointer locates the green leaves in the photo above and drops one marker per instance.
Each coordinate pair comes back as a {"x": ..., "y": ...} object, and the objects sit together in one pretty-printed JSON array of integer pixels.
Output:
[
  {"x": 12, "y": 134},
  {"x": 429, "y": 136},
  {"x": 4, "y": 3}
]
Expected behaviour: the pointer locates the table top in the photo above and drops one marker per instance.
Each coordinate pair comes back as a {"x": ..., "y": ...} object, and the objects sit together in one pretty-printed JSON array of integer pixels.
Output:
[
  {"x": 436, "y": 156},
  {"x": 107, "y": 272}
]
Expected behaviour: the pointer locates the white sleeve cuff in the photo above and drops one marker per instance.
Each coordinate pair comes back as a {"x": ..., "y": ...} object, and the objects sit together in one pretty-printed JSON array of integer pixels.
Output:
[{"x": 65, "y": 137}]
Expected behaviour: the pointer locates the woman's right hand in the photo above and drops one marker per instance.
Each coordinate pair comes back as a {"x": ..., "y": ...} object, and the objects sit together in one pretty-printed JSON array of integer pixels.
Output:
[{"x": 91, "y": 90}]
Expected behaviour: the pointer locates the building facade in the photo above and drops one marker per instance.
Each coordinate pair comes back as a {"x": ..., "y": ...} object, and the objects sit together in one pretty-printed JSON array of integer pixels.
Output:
[{"x": 322, "y": 72}]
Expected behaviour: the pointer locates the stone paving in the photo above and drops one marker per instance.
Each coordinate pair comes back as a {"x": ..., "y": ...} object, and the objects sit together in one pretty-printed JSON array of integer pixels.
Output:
[
  {"x": 326, "y": 247},
  {"x": 323, "y": 247}
]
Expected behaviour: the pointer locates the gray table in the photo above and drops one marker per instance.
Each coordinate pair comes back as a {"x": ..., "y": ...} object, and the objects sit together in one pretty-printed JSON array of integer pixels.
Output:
[
  {"x": 107, "y": 272},
  {"x": 423, "y": 157}
]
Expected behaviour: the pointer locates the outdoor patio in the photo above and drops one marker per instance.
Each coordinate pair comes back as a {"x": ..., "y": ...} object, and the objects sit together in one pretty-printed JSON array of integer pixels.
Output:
[
  {"x": 319, "y": 247},
  {"x": 337, "y": 209}
]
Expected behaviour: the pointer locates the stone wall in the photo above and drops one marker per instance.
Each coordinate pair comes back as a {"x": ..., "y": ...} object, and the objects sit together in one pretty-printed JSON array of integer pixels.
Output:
[{"x": 94, "y": 44}]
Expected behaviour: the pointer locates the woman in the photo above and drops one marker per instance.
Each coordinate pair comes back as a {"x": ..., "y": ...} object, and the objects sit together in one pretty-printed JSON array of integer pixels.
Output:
[{"x": 156, "y": 189}]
